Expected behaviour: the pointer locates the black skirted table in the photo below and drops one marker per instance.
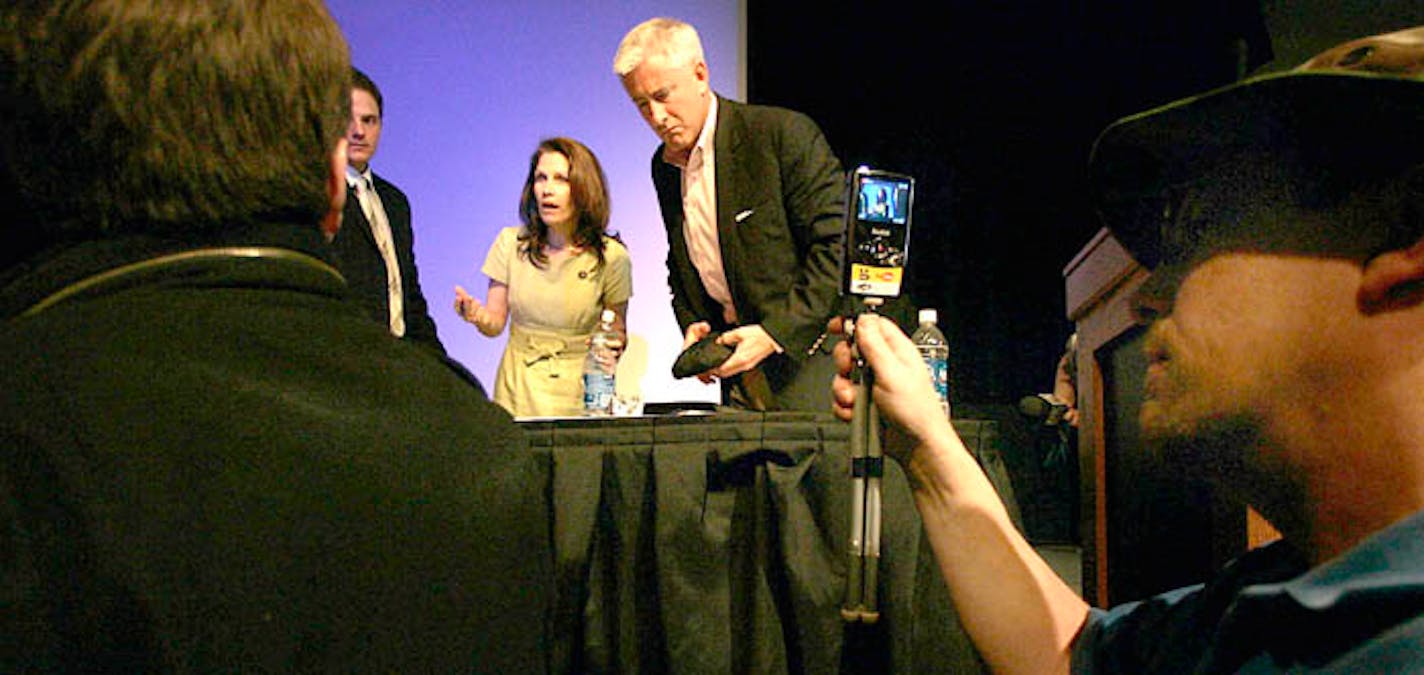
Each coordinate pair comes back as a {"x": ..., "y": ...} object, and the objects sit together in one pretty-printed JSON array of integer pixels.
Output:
[{"x": 718, "y": 544}]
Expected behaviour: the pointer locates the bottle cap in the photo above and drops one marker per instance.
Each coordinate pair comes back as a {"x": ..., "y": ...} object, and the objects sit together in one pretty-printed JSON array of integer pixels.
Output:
[{"x": 928, "y": 315}]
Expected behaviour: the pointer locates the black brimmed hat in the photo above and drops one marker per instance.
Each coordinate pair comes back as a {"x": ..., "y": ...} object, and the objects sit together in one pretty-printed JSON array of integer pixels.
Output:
[{"x": 1295, "y": 161}]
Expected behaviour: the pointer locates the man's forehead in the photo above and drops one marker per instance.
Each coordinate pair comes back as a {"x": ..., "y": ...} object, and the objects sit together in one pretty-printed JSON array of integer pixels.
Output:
[
  {"x": 647, "y": 83},
  {"x": 363, "y": 102}
]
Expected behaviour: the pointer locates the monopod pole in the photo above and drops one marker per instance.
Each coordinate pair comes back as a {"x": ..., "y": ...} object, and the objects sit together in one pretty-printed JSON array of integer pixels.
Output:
[{"x": 867, "y": 463}]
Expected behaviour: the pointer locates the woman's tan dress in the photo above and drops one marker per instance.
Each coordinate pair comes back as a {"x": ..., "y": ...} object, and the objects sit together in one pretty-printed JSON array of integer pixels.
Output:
[{"x": 552, "y": 312}]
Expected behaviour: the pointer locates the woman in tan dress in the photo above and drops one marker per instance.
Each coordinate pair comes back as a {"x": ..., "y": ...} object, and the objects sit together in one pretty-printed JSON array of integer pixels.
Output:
[{"x": 551, "y": 278}]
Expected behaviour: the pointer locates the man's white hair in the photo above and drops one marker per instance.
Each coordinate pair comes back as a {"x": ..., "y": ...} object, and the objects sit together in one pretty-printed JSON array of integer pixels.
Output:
[{"x": 668, "y": 41}]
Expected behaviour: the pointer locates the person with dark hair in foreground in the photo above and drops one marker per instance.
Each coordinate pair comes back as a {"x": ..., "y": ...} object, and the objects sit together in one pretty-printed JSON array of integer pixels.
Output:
[
  {"x": 212, "y": 461},
  {"x": 1282, "y": 217}
]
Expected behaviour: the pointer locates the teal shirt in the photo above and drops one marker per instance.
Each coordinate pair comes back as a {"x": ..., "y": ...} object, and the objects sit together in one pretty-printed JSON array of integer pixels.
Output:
[{"x": 1268, "y": 612}]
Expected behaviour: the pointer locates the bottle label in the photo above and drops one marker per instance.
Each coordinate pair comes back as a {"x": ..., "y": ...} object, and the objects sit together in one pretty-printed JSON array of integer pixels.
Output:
[
  {"x": 597, "y": 393},
  {"x": 939, "y": 379}
]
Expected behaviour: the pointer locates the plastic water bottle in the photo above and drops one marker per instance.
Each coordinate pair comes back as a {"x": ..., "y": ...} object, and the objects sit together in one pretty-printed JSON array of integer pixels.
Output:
[
  {"x": 935, "y": 351},
  {"x": 598, "y": 377}
]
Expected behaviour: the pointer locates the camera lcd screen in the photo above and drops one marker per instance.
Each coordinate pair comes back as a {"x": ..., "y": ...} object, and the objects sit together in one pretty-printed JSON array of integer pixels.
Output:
[{"x": 884, "y": 200}]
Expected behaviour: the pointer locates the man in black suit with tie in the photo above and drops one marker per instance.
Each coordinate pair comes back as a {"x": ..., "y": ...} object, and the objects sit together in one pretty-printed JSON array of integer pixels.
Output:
[
  {"x": 752, "y": 198},
  {"x": 375, "y": 248}
]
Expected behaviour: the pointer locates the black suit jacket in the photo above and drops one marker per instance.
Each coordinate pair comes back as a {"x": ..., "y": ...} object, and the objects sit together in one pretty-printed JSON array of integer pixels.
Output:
[
  {"x": 780, "y": 222},
  {"x": 355, "y": 254}
]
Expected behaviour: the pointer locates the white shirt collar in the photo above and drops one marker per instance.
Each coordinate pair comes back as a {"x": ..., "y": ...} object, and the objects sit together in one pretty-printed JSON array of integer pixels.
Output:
[{"x": 353, "y": 176}]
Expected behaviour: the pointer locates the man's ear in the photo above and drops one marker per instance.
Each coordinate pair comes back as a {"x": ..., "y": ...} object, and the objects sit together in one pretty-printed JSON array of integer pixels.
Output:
[
  {"x": 335, "y": 191},
  {"x": 1393, "y": 280},
  {"x": 702, "y": 74}
]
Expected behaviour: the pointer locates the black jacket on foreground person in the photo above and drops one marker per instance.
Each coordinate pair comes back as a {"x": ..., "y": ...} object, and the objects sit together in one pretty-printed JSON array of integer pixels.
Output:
[
  {"x": 214, "y": 462},
  {"x": 211, "y": 460}
]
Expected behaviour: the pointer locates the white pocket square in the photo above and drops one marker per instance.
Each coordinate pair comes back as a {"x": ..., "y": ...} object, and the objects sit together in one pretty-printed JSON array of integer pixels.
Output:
[{"x": 743, "y": 215}]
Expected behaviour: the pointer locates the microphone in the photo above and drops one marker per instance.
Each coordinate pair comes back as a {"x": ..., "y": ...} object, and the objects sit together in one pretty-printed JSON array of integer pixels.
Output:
[{"x": 1046, "y": 407}]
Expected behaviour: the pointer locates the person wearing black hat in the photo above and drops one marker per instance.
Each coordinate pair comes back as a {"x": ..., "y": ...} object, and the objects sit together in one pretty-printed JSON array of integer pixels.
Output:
[{"x": 1283, "y": 218}]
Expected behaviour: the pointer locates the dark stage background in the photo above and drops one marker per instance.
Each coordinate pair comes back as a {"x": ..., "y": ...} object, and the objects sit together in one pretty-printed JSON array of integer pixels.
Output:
[{"x": 993, "y": 107}]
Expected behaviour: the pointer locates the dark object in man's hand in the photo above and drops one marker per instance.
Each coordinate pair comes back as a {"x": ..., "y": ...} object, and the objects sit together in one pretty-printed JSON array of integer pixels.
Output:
[{"x": 702, "y": 356}]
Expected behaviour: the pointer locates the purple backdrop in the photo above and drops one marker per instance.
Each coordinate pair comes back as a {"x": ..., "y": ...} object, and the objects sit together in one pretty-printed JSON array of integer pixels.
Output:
[{"x": 471, "y": 87}]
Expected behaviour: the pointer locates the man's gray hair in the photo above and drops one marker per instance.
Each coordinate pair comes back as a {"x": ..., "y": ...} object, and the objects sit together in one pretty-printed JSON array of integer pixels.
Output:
[{"x": 672, "y": 42}]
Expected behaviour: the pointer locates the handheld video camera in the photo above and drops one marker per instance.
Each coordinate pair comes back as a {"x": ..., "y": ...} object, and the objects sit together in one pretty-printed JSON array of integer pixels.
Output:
[{"x": 878, "y": 207}]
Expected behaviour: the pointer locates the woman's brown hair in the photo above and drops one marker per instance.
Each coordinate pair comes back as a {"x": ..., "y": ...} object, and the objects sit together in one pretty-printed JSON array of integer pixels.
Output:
[{"x": 588, "y": 194}]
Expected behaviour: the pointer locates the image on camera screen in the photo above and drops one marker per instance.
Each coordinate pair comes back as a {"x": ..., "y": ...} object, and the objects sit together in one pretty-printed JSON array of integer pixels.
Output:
[{"x": 883, "y": 200}]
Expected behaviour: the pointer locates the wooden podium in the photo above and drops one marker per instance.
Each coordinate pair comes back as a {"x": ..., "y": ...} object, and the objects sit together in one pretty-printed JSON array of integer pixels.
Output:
[{"x": 1145, "y": 527}]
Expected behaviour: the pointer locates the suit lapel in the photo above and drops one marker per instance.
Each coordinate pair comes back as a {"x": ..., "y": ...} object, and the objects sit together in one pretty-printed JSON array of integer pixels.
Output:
[
  {"x": 668, "y": 183},
  {"x": 731, "y": 182},
  {"x": 356, "y": 216}
]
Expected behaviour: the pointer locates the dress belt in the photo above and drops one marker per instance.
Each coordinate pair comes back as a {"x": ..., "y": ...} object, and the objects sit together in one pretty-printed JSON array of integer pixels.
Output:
[{"x": 542, "y": 345}]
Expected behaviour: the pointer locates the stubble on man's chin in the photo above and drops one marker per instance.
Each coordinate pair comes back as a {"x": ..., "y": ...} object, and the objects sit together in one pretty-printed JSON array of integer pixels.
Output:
[
  {"x": 1236, "y": 457},
  {"x": 1217, "y": 448}
]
